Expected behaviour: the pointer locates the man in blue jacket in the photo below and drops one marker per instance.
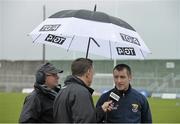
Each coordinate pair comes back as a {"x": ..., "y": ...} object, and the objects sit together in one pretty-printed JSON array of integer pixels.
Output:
[{"x": 129, "y": 105}]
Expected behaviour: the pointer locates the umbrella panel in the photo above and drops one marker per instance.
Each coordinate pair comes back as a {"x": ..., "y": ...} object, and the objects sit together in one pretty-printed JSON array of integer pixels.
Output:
[
  {"x": 108, "y": 49},
  {"x": 84, "y": 28}
]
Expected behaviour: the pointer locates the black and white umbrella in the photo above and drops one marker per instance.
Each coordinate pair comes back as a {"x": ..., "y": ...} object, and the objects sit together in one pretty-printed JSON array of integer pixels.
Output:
[{"x": 91, "y": 32}]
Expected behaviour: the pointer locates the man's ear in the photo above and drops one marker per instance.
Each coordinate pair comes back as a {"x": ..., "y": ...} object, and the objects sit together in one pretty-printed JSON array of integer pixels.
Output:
[{"x": 87, "y": 73}]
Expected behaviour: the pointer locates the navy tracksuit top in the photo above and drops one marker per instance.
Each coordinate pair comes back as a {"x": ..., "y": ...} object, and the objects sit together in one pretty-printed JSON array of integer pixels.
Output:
[{"x": 132, "y": 107}]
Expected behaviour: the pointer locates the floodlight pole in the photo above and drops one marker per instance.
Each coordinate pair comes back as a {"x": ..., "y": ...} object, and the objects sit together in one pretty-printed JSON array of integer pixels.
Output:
[
  {"x": 95, "y": 8},
  {"x": 44, "y": 47}
]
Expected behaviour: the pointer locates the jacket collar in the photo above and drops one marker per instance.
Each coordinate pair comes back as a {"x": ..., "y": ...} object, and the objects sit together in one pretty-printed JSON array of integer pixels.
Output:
[
  {"x": 123, "y": 92},
  {"x": 51, "y": 93},
  {"x": 73, "y": 79}
]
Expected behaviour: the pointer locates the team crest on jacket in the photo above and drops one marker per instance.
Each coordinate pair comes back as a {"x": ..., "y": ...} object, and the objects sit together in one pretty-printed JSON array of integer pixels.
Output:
[{"x": 135, "y": 107}]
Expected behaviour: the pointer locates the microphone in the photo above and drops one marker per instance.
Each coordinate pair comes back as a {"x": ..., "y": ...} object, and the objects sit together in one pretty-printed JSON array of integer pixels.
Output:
[{"x": 113, "y": 96}]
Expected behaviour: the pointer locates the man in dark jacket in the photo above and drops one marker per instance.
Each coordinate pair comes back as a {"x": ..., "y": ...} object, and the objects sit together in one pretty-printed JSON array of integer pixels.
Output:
[
  {"x": 74, "y": 103},
  {"x": 129, "y": 105},
  {"x": 38, "y": 105}
]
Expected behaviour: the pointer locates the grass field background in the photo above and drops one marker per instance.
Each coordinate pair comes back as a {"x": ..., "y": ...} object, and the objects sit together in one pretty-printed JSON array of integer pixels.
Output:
[{"x": 163, "y": 110}]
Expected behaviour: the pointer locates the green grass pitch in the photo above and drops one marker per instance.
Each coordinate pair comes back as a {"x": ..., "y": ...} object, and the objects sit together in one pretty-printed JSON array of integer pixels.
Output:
[{"x": 163, "y": 111}]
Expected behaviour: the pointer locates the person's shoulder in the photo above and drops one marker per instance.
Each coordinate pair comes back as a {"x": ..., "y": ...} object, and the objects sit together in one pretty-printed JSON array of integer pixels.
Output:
[
  {"x": 107, "y": 93},
  {"x": 80, "y": 89},
  {"x": 32, "y": 98},
  {"x": 75, "y": 88},
  {"x": 104, "y": 97},
  {"x": 135, "y": 92},
  {"x": 33, "y": 95},
  {"x": 138, "y": 94}
]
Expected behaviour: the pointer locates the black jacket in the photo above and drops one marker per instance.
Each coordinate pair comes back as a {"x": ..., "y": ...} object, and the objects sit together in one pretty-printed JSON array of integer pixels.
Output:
[
  {"x": 38, "y": 105},
  {"x": 74, "y": 103},
  {"x": 132, "y": 107}
]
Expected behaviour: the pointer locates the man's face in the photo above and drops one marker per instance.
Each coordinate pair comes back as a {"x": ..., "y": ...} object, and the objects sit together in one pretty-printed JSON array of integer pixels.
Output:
[
  {"x": 51, "y": 80},
  {"x": 121, "y": 79}
]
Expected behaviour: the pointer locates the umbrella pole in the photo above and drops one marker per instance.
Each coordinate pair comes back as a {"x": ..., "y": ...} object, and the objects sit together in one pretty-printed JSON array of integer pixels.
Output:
[
  {"x": 88, "y": 48},
  {"x": 89, "y": 38}
]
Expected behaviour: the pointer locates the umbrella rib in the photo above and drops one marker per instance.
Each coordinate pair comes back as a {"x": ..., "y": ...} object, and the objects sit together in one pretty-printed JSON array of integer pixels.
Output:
[
  {"x": 110, "y": 49},
  {"x": 142, "y": 54},
  {"x": 95, "y": 41},
  {"x": 37, "y": 38},
  {"x": 70, "y": 43}
]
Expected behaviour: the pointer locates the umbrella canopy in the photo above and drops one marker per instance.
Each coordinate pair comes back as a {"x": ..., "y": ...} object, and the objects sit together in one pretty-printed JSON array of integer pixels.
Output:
[{"x": 93, "y": 32}]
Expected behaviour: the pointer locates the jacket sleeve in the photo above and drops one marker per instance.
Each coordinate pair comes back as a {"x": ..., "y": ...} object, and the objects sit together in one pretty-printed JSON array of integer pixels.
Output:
[
  {"x": 146, "y": 112},
  {"x": 100, "y": 114},
  {"x": 82, "y": 108},
  {"x": 31, "y": 110}
]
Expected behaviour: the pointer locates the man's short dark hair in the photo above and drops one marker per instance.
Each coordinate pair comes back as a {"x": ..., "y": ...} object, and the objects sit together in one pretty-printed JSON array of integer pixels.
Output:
[
  {"x": 121, "y": 67},
  {"x": 80, "y": 66}
]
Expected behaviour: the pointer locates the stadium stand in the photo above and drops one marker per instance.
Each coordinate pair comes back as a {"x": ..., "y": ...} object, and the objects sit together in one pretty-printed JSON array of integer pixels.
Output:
[{"x": 150, "y": 75}]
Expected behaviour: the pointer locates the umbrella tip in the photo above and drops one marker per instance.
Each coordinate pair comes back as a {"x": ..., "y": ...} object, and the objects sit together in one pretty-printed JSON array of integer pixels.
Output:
[{"x": 95, "y": 8}]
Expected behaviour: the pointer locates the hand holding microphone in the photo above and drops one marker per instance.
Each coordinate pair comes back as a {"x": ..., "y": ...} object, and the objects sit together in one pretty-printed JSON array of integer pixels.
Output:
[{"x": 107, "y": 106}]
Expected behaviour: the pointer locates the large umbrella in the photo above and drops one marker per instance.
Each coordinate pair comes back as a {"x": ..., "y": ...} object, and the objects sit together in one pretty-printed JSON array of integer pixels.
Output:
[{"x": 91, "y": 31}]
